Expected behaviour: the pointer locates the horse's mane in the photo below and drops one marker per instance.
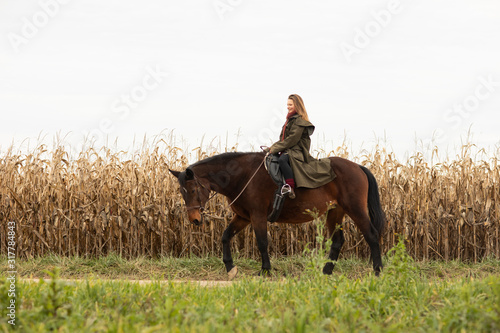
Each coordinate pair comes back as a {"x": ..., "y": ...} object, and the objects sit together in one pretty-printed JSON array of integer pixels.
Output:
[{"x": 223, "y": 158}]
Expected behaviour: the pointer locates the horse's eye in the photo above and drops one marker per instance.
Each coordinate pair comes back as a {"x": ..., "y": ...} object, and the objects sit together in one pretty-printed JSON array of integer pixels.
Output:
[{"x": 192, "y": 191}]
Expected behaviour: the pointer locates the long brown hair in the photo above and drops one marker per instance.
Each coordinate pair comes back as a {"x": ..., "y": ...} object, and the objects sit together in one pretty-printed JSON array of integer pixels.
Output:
[{"x": 299, "y": 106}]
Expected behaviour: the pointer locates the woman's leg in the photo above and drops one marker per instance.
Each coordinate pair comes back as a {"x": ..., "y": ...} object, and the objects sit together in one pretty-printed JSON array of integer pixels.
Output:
[{"x": 284, "y": 162}]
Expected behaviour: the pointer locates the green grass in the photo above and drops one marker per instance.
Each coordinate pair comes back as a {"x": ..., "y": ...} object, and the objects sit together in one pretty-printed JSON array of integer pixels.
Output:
[
  {"x": 212, "y": 268},
  {"x": 408, "y": 296},
  {"x": 392, "y": 303}
]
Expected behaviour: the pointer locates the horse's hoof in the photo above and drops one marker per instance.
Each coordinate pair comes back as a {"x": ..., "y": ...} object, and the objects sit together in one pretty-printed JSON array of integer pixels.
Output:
[
  {"x": 265, "y": 272},
  {"x": 328, "y": 269},
  {"x": 232, "y": 273}
]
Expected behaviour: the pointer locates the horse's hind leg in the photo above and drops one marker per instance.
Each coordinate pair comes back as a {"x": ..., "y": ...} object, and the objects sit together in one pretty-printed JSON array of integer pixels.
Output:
[
  {"x": 236, "y": 225},
  {"x": 334, "y": 220},
  {"x": 364, "y": 224}
]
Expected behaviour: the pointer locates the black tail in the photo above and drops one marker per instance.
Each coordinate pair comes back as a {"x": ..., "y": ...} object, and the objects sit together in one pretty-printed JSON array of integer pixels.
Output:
[{"x": 377, "y": 215}]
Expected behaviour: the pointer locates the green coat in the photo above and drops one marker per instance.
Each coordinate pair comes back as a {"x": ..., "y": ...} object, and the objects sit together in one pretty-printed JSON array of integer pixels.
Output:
[{"x": 308, "y": 171}]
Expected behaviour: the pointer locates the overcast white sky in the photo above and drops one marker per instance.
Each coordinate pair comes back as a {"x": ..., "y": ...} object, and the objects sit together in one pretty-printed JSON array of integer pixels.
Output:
[{"x": 401, "y": 71}]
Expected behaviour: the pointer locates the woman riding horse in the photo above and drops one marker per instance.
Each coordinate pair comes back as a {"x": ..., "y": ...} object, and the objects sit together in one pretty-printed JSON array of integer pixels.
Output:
[{"x": 242, "y": 178}]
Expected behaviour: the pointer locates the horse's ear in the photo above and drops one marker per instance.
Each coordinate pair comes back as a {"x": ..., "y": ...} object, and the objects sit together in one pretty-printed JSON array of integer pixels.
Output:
[
  {"x": 175, "y": 173},
  {"x": 189, "y": 174}
]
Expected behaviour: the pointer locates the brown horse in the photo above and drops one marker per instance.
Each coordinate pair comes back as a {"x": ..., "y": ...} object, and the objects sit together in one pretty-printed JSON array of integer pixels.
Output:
[{"x": 354, "y": 190}]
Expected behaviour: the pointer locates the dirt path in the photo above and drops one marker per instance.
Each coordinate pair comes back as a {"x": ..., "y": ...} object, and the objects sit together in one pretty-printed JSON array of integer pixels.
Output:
[
  {"x": 203, "y": 283},
  {"x": 200, "y": 283}
]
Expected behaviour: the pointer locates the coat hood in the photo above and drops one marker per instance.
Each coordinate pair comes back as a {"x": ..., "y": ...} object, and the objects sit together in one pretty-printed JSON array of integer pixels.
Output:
[{"x": 304, "y": 123}]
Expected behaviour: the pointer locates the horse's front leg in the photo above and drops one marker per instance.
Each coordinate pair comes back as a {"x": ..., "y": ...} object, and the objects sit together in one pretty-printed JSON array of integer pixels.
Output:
[
  {"x": 334, "y": 223},
  {"x": 236, "y": 225},
  {"x": 260, "y": 228}
]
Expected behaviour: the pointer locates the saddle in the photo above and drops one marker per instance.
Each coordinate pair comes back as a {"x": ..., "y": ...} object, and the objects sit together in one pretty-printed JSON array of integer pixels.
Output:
[{"x": 273, "y": 168}]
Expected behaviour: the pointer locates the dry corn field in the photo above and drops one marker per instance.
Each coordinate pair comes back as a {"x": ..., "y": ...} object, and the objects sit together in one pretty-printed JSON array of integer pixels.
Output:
[{"x": 102, "y": 202}]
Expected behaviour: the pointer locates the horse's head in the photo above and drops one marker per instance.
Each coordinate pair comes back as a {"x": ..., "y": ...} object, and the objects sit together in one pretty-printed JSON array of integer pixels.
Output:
[{"x": 194, "y": 192}]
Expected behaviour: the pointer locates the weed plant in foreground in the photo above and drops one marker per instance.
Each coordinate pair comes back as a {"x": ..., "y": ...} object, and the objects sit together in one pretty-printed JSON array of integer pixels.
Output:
[{"x": 404, "y": 298}]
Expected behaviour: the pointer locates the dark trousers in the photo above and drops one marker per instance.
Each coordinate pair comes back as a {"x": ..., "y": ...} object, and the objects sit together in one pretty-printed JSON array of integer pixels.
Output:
[{"x": 286, "y": 169}]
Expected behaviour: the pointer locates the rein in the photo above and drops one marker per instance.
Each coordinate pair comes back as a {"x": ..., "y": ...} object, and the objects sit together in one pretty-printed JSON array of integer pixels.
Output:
[{"x": 244, "y": 188}]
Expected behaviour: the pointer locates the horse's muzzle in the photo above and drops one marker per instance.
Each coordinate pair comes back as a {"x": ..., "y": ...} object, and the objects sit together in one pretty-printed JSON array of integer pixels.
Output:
[
  {"x": 195, "y": 216},
  {"x": 198, "y": 220}
]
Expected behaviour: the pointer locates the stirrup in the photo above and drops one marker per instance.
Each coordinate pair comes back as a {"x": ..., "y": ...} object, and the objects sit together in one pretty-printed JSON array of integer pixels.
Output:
[{"x": 286, "y": 189}]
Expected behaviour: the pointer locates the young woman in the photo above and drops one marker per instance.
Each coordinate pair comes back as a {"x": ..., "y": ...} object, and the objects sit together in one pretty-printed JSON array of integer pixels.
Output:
[{"x": 299, "y": 168}]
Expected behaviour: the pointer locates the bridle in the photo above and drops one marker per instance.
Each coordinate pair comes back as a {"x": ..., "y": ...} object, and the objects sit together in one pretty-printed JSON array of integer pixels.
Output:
[
  {"x": 199, "y": 207},
  {"x": 202, "y": 208}
]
